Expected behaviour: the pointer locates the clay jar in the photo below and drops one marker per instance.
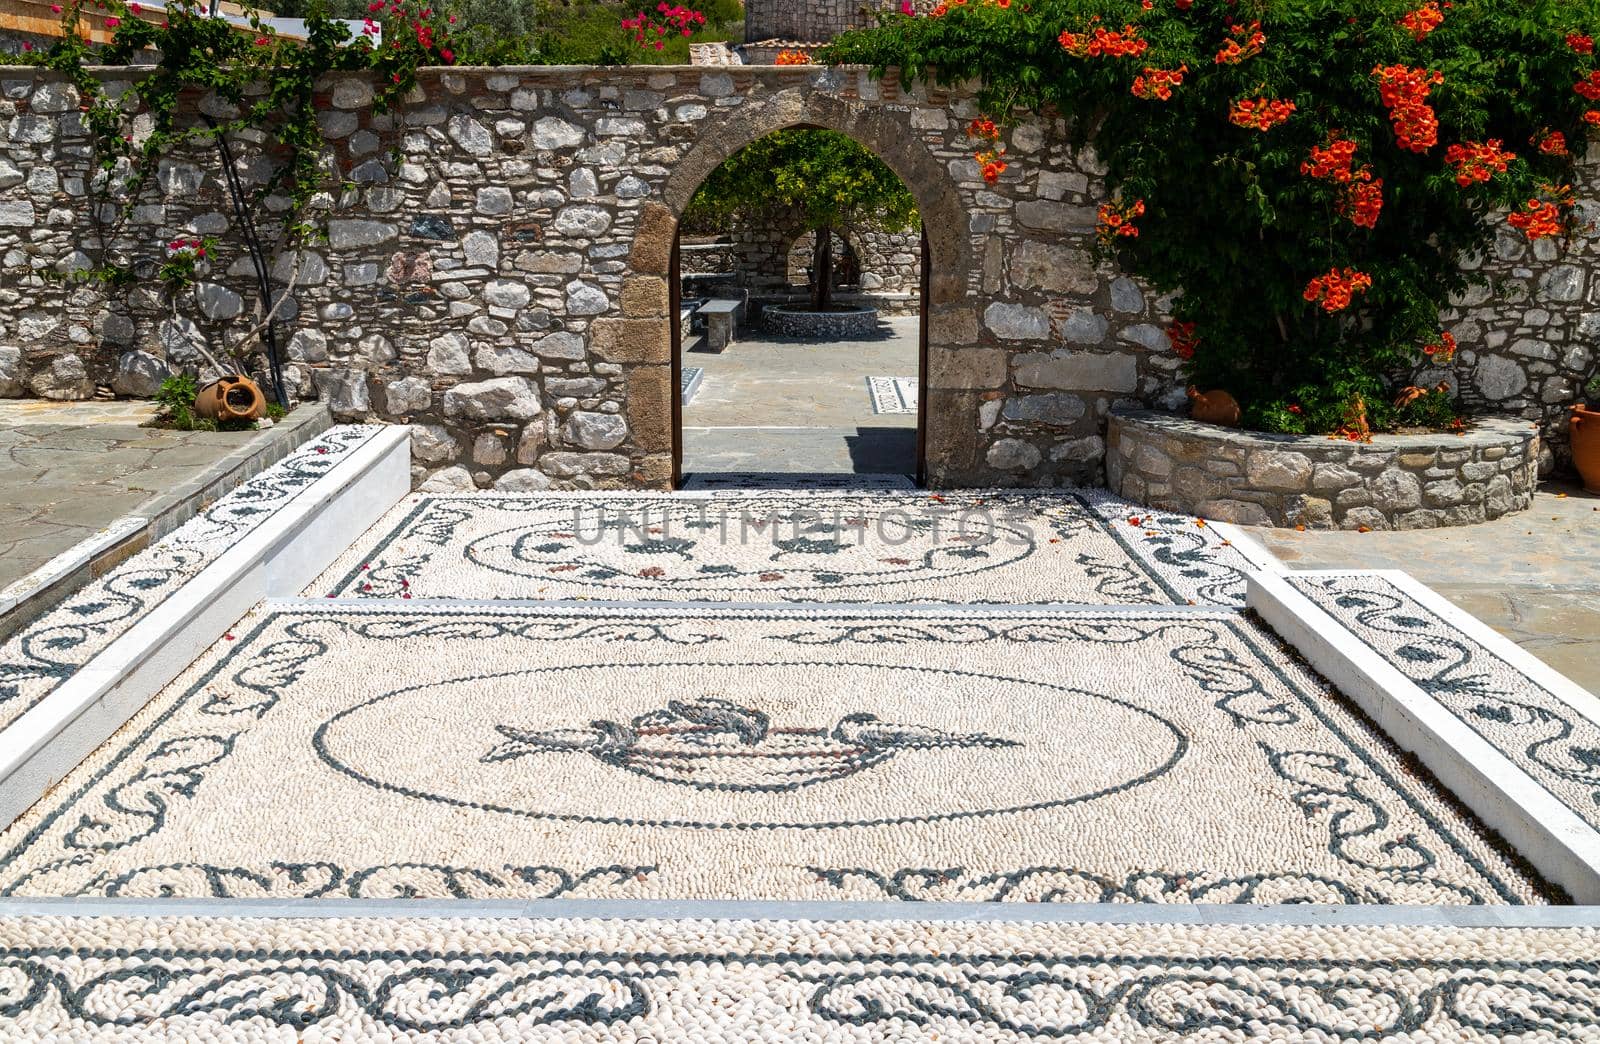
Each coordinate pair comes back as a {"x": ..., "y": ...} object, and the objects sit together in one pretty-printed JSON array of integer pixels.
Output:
[
  {"x": 1213, "y": 407},
  {"x": 231, "y": 398},
  {"x": 1585, "y": 429}
]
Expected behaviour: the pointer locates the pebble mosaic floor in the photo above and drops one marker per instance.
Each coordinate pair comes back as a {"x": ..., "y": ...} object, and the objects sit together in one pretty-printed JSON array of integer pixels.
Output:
[
  {"x": 342, "y": 749},
  {"x": 1081, "y": 547},
  {"x": 731, "y": 982},
  {"x": 1546, "y": 736},
  {"x": 37, "y": 660}
]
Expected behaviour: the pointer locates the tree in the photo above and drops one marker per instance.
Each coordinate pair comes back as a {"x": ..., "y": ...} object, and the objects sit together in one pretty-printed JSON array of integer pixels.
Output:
[{"x": 831, "y": 183}]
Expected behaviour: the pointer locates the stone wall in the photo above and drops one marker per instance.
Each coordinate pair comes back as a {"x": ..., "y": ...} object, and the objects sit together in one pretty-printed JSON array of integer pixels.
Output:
[
  {"x": 770, "y": 257},
  {"x": 495, "y": 271},
  {"x": 1393, "y": 482},
  {"x": 1531, "y": 338},
  {"x": 815, "y": 21}
]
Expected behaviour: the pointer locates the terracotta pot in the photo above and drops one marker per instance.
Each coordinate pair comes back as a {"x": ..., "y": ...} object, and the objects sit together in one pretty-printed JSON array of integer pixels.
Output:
[
  {"x": 1585, "y": 429},
  {"x": 1213, "y": 407},
  {"x": 231, "y": 398}
]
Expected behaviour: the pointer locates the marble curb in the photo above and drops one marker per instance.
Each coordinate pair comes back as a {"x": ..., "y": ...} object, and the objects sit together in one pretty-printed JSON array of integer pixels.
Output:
[
  {"x": 29, "y": 598},
  {"x": 280, "y": 556},
  {"x": 1249, "y": 548},
  {"x": 1543, "y": 830},
  {"x": 1274, "y": 914}
]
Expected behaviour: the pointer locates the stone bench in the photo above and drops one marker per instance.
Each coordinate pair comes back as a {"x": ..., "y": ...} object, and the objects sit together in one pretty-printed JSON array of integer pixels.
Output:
[{"x": 722, "y": 320}]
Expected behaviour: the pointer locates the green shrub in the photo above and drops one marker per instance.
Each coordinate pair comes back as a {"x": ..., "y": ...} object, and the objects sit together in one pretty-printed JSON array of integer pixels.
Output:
[{"x": 1239, "y": 220}]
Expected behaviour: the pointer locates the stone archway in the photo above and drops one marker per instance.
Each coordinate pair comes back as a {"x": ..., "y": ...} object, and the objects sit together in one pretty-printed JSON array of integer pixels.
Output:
[{"x": 947, "y": 261}]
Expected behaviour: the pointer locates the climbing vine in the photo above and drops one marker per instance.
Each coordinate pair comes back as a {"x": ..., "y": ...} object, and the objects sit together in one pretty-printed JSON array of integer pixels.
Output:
[
  {"x": 1307, "y": 175},
  {"x": 249, "y": 84}
]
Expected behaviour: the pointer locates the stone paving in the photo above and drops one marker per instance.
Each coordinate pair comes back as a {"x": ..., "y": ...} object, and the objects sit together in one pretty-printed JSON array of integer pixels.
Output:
[
  {"x": 70, "y": 468},
  {"x": 777, "y": 405},
  {"x": 1535, "y": 577}
]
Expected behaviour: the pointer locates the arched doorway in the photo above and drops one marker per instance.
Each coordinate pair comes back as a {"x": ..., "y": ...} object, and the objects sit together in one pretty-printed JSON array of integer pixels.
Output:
[{"x": 946, "y": 252}]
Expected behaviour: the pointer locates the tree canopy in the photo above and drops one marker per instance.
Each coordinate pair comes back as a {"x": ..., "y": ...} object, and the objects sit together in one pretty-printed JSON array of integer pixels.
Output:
[
  {"x": 822, "y": 177},
  {"x": 818, "y": 178}
]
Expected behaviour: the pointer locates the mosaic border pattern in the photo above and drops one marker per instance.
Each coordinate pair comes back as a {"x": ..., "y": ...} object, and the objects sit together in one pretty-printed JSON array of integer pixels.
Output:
[
  {"x": 892, "y": 394},
  {"x": 586, "y": 980},
  {"x": 1170, "y": 558},
  {"x": 1539, "y": 732},
  {"x": 784, "y": 481},
  {"x": 1321, "y": 780},
  {"x": 50, "y": 651}
]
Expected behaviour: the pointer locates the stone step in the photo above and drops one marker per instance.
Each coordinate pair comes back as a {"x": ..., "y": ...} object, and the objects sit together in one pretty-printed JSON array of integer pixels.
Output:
[
  {"x": 1514, "y": 740},
  {"x": 72, "y": 678}
]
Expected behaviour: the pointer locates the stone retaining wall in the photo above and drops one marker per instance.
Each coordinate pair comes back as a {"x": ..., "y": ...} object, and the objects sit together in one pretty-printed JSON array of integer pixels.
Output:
[{"x": 1393, "y": 482}]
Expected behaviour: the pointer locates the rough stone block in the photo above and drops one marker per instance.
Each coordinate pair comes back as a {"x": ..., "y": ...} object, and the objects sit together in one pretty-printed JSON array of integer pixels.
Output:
[
  {"x": 1239, "y": 512},
  {"x": 1077, "y": 371},
  {"x": 594, "y": 431},
  {"x": 1059, "y": 408},
  {"x": 523, "y": 480},
  {"x": 652, "y": 243},
  {"x": 1283, "y": 471},
  {"x": 972, "y": 367},
  {"x": 649, "y": 408},
  {"x": 1013, "y": 455},
  {"x": 571, "y": 465},
  {"x": 631, "y": 340},
  {"x": 644, "y": 297},
  {"x": 499, "y": 398}
]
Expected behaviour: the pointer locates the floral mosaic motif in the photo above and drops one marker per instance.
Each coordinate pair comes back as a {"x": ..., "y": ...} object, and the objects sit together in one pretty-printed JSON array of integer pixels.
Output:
[
  {"x": 1057, "y": 884},
  {"x": 962, "y": 548},
  {"x": 1082, "y": 995},
  {"x": 1541, "y": 733},
  {"x": 429, "y": 996},
  {"x": 37, "y": 661},
  {"x": 322, "y": 880},
  {"x": 1198, "y": 997},
  {"x": 715, "y": 744}
]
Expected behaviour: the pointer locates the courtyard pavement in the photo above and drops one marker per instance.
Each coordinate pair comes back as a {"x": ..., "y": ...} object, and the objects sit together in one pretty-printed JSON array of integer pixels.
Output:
[
  {"x": 1534, "y": 576},
  {"x": 70, "y": 468},
  {"x": 487, "y": 709},
  {"x": 779, "y": 405}
]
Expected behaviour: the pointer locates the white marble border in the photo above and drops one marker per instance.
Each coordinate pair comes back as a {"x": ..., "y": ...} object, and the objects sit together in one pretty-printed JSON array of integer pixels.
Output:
[
  {"x": 1547, "y": 833},
  {"x": 278, "y": 557}
]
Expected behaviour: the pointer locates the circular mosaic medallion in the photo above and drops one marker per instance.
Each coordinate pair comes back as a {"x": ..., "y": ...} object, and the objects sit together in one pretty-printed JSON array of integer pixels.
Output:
[
  {"x": 689, "y": 547},
  {"x": 749, "y": 745}
]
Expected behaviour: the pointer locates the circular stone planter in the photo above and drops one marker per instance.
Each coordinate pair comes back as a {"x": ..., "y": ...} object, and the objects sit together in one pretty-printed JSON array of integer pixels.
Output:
[
  {"x": 1392, "y": 482},
  {"x": 845, "y": 324}
]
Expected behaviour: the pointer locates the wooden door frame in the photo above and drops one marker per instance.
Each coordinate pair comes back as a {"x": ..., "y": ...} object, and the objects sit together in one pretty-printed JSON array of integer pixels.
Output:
[
  {"x": 675, "y": 376},
  {"x": 926, "y": 280}
]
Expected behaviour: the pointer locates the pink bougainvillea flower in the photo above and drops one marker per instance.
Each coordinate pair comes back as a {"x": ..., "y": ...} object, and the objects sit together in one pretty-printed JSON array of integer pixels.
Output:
[
  {"x": 112, "y": 23},
  {"x": 906, "y": 8}
]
